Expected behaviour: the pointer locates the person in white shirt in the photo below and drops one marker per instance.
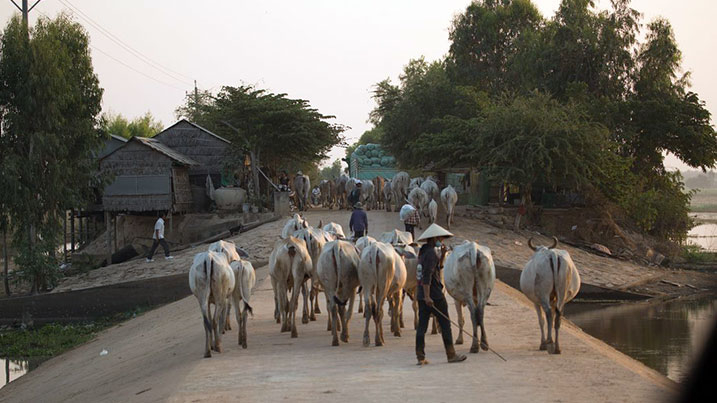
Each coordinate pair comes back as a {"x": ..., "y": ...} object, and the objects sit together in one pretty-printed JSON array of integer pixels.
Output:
[{"x": 158, "y": 238}]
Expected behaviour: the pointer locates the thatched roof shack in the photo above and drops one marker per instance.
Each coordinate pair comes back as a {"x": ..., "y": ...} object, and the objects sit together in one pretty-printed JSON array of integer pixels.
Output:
[
  {"x": 148, "y": 176},
  {"x": 199, "y": 144}
]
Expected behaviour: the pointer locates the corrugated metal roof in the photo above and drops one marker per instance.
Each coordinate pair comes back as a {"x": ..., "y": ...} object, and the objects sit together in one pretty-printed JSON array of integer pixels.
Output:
[
  {"x": 158, "y": 146},
  {"x": 198, "y": 127},
  {"x": 120, "y": 138}
]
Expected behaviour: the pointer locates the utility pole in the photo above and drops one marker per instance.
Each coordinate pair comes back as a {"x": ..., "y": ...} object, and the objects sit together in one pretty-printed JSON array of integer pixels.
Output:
[{"x": 24, "y": 9}]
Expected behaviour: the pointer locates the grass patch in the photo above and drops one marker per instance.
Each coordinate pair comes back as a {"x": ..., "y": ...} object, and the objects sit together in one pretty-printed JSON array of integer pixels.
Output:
[
  {"x": 55, "y": 338},
  {"x": 695, "y": 254}
]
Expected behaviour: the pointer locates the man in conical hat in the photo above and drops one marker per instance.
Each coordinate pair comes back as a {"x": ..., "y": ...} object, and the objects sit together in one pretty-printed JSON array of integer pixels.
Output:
[{"x": 431, "y": 299}]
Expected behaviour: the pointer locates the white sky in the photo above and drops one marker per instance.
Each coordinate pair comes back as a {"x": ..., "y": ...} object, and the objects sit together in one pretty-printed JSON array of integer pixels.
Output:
[{"x": 328, "y": 52}]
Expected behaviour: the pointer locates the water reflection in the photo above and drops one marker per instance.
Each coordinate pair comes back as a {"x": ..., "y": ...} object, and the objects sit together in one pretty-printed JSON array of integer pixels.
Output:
[
  {"x": 17, "y": 368},
  {"x": 664, "y": 336},
  {"x": 704, "y": 235}
]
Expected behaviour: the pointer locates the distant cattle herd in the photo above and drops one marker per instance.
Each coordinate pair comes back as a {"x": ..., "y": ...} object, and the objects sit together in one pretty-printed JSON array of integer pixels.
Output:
[{"x": 309, "y": 260}]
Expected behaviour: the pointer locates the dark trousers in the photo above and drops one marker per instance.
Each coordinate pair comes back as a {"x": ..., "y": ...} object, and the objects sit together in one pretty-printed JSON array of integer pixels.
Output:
[
  {"x": 156, "y": 243},
  {"x": 359, "y": 234},
  {"x": 424, "y": 314},
  {"x": 409, "y": 228}
]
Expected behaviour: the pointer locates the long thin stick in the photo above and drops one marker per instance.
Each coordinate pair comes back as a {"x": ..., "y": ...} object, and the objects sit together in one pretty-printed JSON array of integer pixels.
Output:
[{"x": 471, "y": 336}]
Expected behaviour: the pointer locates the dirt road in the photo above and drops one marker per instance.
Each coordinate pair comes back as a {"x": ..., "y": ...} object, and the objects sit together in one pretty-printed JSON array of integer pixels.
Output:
[{"x": 158, "y": 356}]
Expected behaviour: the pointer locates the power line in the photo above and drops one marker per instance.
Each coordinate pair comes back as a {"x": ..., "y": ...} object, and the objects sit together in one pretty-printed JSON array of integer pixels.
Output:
[
  {"x": 127, "y": 65},
  {"x": 139, "y": 55}
]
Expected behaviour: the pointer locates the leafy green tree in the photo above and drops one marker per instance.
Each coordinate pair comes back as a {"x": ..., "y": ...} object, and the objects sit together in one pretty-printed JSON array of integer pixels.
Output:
[
  {"x": 485, "y": 39},
  {"x": 142, "y": 126},
  {"x": 331, "y": 172},
  {"x": 49, "y": 100}
]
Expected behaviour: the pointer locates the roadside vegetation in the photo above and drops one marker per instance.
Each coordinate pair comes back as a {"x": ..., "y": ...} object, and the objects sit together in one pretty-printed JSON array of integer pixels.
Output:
[
  {"x": 575, "y": 103},
  {"x": 55, "y": 338}
]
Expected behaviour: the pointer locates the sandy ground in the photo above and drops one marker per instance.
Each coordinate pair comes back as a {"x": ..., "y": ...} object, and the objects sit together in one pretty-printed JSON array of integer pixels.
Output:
[{"x": 158, "y": 357}]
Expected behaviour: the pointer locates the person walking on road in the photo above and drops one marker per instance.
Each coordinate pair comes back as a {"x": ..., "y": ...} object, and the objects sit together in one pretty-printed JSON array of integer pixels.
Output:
[
  {"x": 158, "y": 239},
  {"x": 411, "y": 217},
  {"x": 359, "y": 221},
  {"x": 431, "y": 299}
]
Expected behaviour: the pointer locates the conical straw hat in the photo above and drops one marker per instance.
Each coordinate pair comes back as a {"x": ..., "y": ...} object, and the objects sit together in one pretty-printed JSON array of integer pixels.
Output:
[{"x": 433, "y": 231}]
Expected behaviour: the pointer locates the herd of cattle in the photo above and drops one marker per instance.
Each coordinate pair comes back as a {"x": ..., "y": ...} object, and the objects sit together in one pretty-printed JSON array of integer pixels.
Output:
[
  {"x": 379, "y": 193},
  {"x": 309, "y": 260}
]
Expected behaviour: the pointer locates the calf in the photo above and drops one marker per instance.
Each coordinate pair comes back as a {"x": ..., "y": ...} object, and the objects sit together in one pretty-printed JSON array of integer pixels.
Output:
[
  {"x": 449, "y": 198},
  {"x": 550, "y": 280},
  {"x": 432, "y": 211},
  {"x": 469, "y": 275},
  {"x": 212, "y": 282}
]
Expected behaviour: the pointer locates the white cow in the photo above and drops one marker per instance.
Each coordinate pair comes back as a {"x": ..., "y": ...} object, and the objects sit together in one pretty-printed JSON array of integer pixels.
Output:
[
  {"x": 334, "y": 229},
  {"x": 361, "y": 244},
  {"x": 368, "y": 194},
  {"x": 395, "y": 293},
  {"x": 212, "y": 282},
  {"x": 314, "y": 239},
  {"x": 289, "y": 264},
  {"x": 415, "y": 183},
  {"x": 469, "y": 276},
  {"x": 302, "y": 191},
  {"x": 293, "y": 224},
  {"x": 376, "y": 274},
  {"x": 338, "y": 273},
  {"x": 396, "y": 237},
  {"x": 410, "y": 259},
  {"x": 418, "y": 199},
  {"x": 449, "y": 197},
  {"x": 387, "y": 195},
  {"x": 230, "y": 251},
  {"x": 431, "y": 189},
  {"x": 340, "y": 190},
  {"x": 549, "y": 279},
  {"x": 244, "y": 279},
  {"x": 432, "y": 211},
  {"x": 399, "y": 186}
]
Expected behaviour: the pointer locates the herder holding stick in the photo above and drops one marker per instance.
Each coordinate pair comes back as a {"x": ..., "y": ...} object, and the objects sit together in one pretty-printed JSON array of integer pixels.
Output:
[{"x": 430, "y": 293}]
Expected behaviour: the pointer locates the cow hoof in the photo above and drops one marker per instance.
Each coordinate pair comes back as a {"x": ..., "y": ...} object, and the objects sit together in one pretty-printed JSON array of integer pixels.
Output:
[
  {"x": 397, "y": 334},
  {"x": 474, "y": 349},
  {"x": 208, "y": 354},
  {"x": 294, "y": 334},
  {"x": 434, "y": 331},
  {"x": 312, "y": 318},
  {"x": 543, "y": 346},
  {"x": 553, "y": 349},
  {"x": 360, "y": 310},
  {"x": 278, "y": 320},
  {"x": 317, "y": 310},
  {"x": 459, "y": 340},
  {"x": 484, "y": 346},
  {"x": 345, "y": 339},
  {"x": 335, "y": 343},
  {"x": 305, "y": 320},
  {"x": 379, "y": 343}
]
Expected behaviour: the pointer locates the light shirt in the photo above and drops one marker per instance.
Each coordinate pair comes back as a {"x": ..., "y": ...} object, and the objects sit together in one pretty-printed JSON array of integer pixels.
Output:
[{"x": 158, "y": 226}]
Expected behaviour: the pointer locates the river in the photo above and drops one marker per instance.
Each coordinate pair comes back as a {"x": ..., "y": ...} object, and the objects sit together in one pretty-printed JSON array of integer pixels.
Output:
[{"x": 666, "y": 336}]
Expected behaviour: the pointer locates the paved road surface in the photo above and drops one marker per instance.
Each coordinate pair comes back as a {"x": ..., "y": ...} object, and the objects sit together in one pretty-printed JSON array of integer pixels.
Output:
[{"x": 158, "y": 357}]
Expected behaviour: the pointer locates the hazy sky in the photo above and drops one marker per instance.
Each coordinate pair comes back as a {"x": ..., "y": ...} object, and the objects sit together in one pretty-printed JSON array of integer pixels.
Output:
[{"x": 328, "y": 52}]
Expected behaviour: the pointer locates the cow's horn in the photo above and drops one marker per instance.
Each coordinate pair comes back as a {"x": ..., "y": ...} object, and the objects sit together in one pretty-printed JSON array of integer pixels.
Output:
[
  {"x": 530, "y": 243},
  {"x": 555, "y": 243}
]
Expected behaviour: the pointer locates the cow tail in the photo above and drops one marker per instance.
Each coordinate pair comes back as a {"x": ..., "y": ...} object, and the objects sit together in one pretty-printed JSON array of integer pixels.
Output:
[
  {"x": 337, "y": 262},
  {"x": 208, "y": 274},
  {"x": 374, "y": 308},
  {"x": 554, "y": 271}
]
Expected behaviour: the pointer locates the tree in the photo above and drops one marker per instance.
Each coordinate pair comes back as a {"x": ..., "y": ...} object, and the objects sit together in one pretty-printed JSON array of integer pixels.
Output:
[
  {"x": 331, "y": 172},
  {"x": 142, "y": 126},
  {"x": 486, "y": 38},
  {"x": 275, "y": 130},
  {"x": 49, "y": 100}
]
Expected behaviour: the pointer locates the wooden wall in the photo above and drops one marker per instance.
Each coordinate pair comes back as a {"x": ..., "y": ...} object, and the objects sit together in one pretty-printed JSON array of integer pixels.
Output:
[{"x": 198, "y": 145}]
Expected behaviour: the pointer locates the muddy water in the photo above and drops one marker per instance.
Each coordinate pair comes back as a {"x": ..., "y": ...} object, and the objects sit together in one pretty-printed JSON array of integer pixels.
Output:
[{"x": 665, "y": 336}]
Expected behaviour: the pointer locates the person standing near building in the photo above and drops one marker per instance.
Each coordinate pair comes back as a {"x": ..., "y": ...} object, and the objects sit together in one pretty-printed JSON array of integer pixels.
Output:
[
  {"x": 431, "y": 299},
  {"x": 359, "y": 222},
  {"x": 158, "y": 239}
]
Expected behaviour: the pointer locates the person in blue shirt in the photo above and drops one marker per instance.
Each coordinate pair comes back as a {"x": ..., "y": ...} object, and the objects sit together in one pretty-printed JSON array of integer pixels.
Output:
[
  {"x": 359, "y": 221},
  {"x": 431, "y": 299}
]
